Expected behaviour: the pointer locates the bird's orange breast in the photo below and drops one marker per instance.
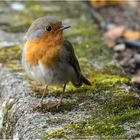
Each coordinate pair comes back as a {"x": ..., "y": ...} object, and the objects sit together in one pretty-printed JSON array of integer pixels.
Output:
[{"x": 43, "y": 50}]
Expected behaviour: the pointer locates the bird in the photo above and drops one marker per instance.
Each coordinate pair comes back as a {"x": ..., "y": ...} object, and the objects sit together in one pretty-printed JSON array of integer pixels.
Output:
[{"x": 50, "y": 59}]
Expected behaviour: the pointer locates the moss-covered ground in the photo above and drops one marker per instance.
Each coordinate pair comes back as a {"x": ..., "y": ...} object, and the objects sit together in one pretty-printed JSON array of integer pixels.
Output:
[{"x": 111, "y": 101}]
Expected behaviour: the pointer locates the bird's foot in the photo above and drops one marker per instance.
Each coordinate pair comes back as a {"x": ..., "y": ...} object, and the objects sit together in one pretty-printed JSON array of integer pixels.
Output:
[
  {"x": 58, "y": 104},
  {"x": 38, "y": 106}
]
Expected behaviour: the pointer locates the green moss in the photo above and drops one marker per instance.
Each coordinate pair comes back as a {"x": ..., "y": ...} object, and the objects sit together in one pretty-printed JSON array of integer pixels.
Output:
[
  {"x": 128, "y": 117},
  {"x": 11, "y": 57},
  {"x": 5, "y": 114},
  {"x": 7, "y": 122},
  {"x": 94, "y": 128},
  {"x": 57, "y": 134},
  {"x": 122, "y": 104},
  {"x": 107, "y": 128},
  {"x": 109, "y": 80}
]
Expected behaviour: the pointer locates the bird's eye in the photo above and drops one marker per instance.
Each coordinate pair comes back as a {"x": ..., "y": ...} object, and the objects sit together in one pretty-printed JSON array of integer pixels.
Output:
[{"x": 48, "y": 28}]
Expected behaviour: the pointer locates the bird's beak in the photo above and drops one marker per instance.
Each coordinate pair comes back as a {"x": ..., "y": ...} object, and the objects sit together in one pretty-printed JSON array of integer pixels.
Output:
[{"x": 63, "y": 27}]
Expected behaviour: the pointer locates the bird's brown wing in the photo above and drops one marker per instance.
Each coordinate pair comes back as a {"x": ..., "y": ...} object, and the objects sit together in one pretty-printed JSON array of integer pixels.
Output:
[{"x": 72, "y": 60}]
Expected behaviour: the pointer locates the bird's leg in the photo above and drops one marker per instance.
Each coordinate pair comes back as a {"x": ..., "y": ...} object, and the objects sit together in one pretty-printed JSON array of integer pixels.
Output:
[
  {"x": 39, "y": 105},
  {"x": 61, "y": 97}
]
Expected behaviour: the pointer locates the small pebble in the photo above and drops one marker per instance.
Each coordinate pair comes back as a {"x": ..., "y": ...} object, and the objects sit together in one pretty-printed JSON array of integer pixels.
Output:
[
  {"x": 119, "y": 47},
  {"x": 137, "y": 58},
  {"x": 17, "y": 6},
  {"x": 136, "y": 79}
]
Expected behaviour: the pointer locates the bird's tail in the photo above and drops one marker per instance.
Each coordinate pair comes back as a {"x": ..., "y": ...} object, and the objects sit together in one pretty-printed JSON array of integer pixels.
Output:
[
  {"x": 82, "y": 81},
  {"x": 85, "y": 81}
]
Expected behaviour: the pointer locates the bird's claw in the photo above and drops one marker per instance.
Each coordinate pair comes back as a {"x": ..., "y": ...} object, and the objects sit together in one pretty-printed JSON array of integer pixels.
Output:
[
  {"x": 58, "y": 104},
  {"x": 37, "y": 107}
]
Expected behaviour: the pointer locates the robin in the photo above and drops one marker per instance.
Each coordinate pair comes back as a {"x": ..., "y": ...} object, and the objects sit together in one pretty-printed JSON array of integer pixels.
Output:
[{"x": 48, "y": 58}]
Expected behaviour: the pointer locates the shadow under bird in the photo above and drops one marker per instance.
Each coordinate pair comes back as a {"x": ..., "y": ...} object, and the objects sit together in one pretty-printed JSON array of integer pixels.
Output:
[{"x": 48, "y": 58}]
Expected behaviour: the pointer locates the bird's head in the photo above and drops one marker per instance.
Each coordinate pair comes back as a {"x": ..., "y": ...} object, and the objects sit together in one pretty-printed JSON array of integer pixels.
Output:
[{"x": 46, "y": 27}]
